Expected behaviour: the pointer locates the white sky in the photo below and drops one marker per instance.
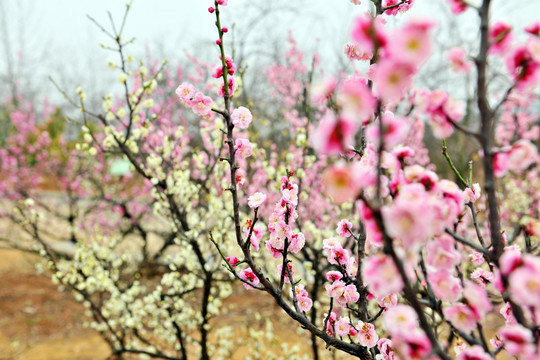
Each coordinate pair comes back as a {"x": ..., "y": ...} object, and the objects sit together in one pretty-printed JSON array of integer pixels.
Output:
[{"x": 56, "y": 38}]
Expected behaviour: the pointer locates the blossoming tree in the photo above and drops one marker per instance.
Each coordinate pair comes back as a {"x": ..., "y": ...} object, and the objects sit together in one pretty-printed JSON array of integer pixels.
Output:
[
  {"x": 348, "y": 228},
  {"x": 405, "y": 287}
]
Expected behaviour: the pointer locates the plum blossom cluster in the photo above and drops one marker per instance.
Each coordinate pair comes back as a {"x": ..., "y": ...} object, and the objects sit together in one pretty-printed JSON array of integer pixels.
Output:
[
  {"x": 408, "y": 255},
  {"x": 197, "y": 101}
]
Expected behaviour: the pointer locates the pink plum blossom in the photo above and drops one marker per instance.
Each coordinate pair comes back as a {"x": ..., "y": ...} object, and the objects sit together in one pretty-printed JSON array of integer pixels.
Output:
[
  {"x": 407, "y": 219},
  {"x": 506, "y": 312},
  {"x": 441, "y": 253},
  {"x": 381, "y": 275},
  {"x": 342, "y": 294},
  {"x": 385, "y": 348},
  {"x": 472, "y": 194},
  {"x": 533, "y": 29},
  {"x": 402, "y": 6},
  {"x": 333, "y": 276},
  {"x": 368, "y": 33},
  {"x": 354, "y": 96},
  {"x": 477, "y": 299},
  {"x": 388, "y": 301},
  {"x": 232, "y": 260},
  {"x": 186, "y": 92},
  {"x": 355, "y": 52},
  {"x": 522, "y": 154},
  {"x": 531, "y": 226},
  {"x": 290, "y": 195},
  {"x": 477, "y": 258},
  {"x": 413, "y": 345},
  {"x": 256, "y": 200},
  {"x": 334, "y": 135},
  {"x": 442, "y": 110},
  {"x": 500, "y": 37},
  {"x": 352, "y": 266},
  {"x": 367, "y": 336},
  {"x": 400, "y": 319},
  {"x": 391, "y": 79},
  {"x": 243, "y": 149},
  {"x": 331, "y": 322},
  {"x": 458, "y": 60},
  {"x": 249, "y": 275},
  {"x": 299, "y": 291},
  {"x": 525, "y": 285},
  {"x": 411, "y": 44},
  {"x": 522, "y": 67},
  {"x": 500, "y": 163},
  {"x": 482, "y": 276},
  {"x": 200, "y": 104},
  {"x": 338, "y": 256},
  {"x": 256, "y": 234},
  {"x": 461, "y": 316},
  {"x": 510, "y": 260},
  {"x": 304, "y": 303},
  {"x": 457, "y": 6},
  {"x": 331, "y": 244},
  {"x": 475, "y": 352},
  {"x": 518, "y": 341},
  {"x": 241, "y": 117},
  {"x": 285, "y": 274},
  {"x": 342, "y": 326},
  {"x": 395, "y": 130},
  {"x": 231, "y": 81},
  {"x": 323, "y": 90},
  {"x": 339, "y": 183},
  {"x": 231, "y": 68},
  {"x": 533, "y": 45},
  {"x": 445, "y": 286},
  {"x": 296, "y": 242},
  {"x": 343, "y": 228}
]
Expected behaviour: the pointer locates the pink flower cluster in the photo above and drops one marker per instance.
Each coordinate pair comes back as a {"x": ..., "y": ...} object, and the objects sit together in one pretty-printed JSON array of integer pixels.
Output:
[
  {"x": 280, "y": 222},
  {"x": 397, "y": 6},
  {"x": 421, "y": 210},
  {"x": 302, "y": 298},
  {"x": 458, "y": 60},
  {"x": 343, "y": 294},
  {"x": 381, "y": 275},
  {"x": 523, "y": 273},
  {"x": 243, "y": 149},
  {"x": 441, "y": 110},
  {"x": 408, "y": 339},
  {"x": 523, "y": 61},
  {"x": 518, "y": 158},
  {"x": 337, "y": 255},
  {"x": 197, "y": 101},
  {"x": 465, "y": 315},
  {"x": 256, "y": 233},
  {"x": 400, "y": 54}
]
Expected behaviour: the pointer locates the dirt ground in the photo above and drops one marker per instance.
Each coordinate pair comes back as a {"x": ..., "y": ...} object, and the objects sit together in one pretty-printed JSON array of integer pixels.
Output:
[{"x": 38, "y": 322}]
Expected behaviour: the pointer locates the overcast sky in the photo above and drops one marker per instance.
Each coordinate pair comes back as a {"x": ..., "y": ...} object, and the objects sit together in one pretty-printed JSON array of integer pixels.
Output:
[{"x": 56, "y": 38}]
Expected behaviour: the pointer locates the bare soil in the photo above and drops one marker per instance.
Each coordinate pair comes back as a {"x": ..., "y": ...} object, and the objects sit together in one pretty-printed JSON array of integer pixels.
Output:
[{"x": 38, "y": 322}]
